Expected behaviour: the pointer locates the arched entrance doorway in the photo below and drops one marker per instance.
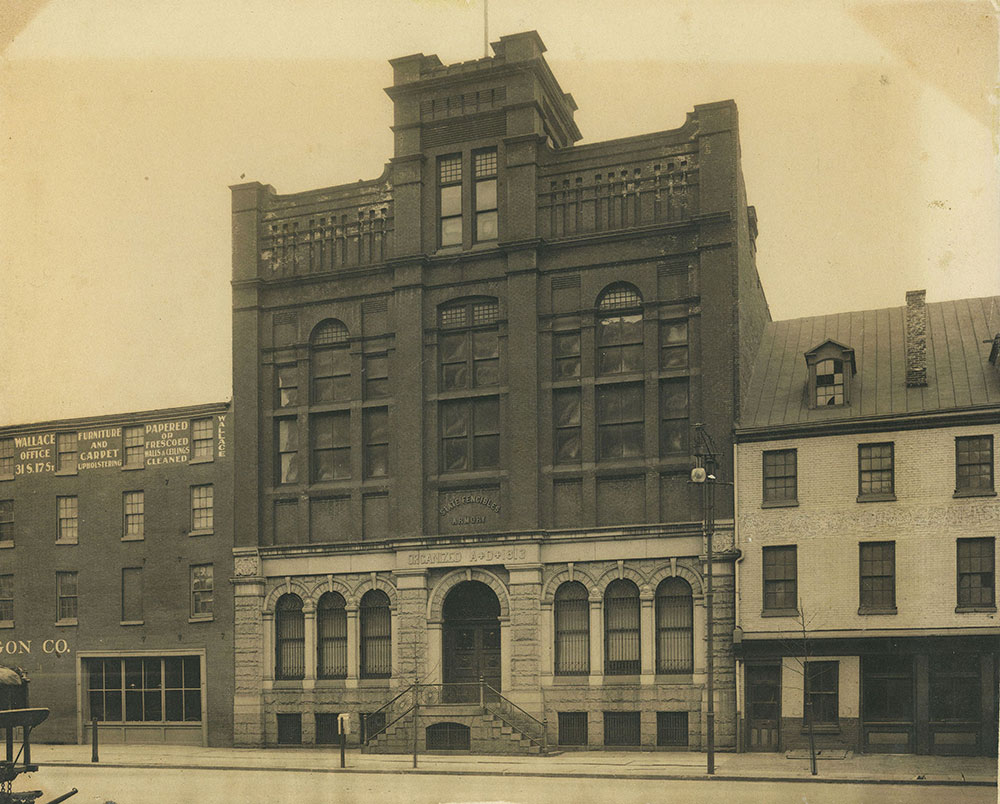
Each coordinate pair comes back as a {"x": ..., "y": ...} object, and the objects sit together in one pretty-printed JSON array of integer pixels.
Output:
[{"x": 471, "y": 646}]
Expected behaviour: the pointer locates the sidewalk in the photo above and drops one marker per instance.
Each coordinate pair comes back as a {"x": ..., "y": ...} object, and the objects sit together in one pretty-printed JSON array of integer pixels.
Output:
[{"x": 873, "y": 769}]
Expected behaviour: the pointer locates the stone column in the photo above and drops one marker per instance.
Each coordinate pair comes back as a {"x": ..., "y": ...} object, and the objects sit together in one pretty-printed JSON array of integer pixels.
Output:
[
  {"x": 412, "y": 655},
  {"x": 596, "y": 640},
  {"x": 353, "y": 645},
  {"x": 250, "y": 652},
  {"x": 647, "y": 636},
  {"x": 546, "y": 637},
  {"x": 525, "y": 635},
  {"x": 309, "y": 615}
]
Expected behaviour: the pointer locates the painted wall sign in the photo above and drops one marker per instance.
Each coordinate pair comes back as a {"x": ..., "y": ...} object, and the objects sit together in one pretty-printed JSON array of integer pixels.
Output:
[
  {"x": 165, "y": 442},
  {"x": 23, "y": 647}
]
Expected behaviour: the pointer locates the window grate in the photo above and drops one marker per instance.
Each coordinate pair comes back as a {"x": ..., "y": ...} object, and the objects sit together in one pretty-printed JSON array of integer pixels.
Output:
[
  {"x": 329, "y": 332},
  {"x": 671, "y": 728},
  {"x": 622, "y": 729},
  {"x": 450, "y": 168},
  {"x": 620, "y": 297},
  {"x": 290, "y": 729},
  {"x": 572, "y": 728},
  {"x": 327, "y": 728}
]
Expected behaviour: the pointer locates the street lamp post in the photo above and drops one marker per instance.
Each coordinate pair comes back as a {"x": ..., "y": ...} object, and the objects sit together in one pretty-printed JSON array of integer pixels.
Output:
[{"x": 705, "y": 476}]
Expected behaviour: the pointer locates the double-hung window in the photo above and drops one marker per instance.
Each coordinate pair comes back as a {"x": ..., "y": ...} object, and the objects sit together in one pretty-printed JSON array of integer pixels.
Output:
[
  {"x": 66, "y": 453},
  {"x": 484, "y": 164},
  {"x": 133, "y": 514},
  {"x": 202, "y": 589},
  {"x": 201, "y": 439},
  {"x": 450, "y": 199},
  {"x": 876, "y": 472},
  {"x": 976, "y": 574},
  {"x": 974, "y": 465},
  {"x": 780, "y": 580},
  {"x": 202, "y": 508},
  {"x": 331, "y": 446},
  {"x": 821, "y": 693},
  {"x": 566, "y": 425},
  {"x": 66, "y": 597},
  {"x": 878, "y": 577},
  {"x": 67, "y": 520},
  {"x": 134, "y": 447},
  {"x": 780, "y": 477},
  {"x": 6, "y": 522},
  {"x": 6, "y": 458}
]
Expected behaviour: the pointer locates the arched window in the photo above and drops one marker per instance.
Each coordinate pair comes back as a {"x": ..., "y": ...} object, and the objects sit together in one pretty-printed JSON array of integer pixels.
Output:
[
  {"x": 289, "y": 638},
  {"x": 469, "y": 344},
  {"x": 674, "y": 627},
  {"x": 331, "y": 362},
  {"x": 621, "y": 628},
  {"x": 572, "y": 625},
  {"x": 376, "y": 635},
  {"x": 619, "y": 330},
  {"x": 331, "y": 636}
]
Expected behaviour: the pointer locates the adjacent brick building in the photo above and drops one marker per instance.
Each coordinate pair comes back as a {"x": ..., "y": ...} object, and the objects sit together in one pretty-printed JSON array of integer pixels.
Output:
[
  {"x": 463, "y": 398},
  {"x": 115, "y": 558},
  {"x": 867, "y": 522}
]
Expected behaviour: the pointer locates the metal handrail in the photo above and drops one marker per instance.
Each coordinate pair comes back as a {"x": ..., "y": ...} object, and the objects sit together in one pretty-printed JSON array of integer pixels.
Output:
[
  {"x": 541, "y": 740},
  {"x": 384, "y": 708}
]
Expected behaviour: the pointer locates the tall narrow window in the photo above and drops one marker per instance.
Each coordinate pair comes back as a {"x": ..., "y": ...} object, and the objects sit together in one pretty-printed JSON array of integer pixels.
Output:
[
  {"x": 470, "y": 434},
  {"x": 821, "y": 692},
  {"x": 619, "y": 421},
  {"x": 674, "y": 417},
  {"x": 133, "y": 447},
  {"x": 974, "y": 465},
  {"x": 133, "y": 514},
  {"x": 202, "y": 508},
  {"x": 287, "y": 437},
  {"x": 674, "y": 627},
  {"x": 780, "y": 580},
  {"x": 132, "y": 595},
  {"x": 780, "y": 476},
  {"x": 6, "y": 458},
  {"x": 331, "y": 636},
  {"x": 201, "y": 439},
  {"x": 66, "y": 596},
  {"x": 287, "y": 386},
  {"x": 566, "y": 354},
  {"x": 875, "y": 471},
  {"x": 571, "y": 611},
  {"x": 450, "y": 199},
  {"x": 376, "y": 427},
  {"x": 289, "y": 638},
  {"x": 202, "y": 591},
  {"x": 566, "y": 425},
  {"x": 7, "y": 599},
  {"x": 66, "y": 454},
  {"x": 829, "y": 382},
  {"x": 621, "y": 628},
  {"x": 878, "y": 577},
  {"x": 469, "y": 348},
  {"x": 485, "y": 194},
  {"x": 376, "y": 635},
  {"x": 976, "y": 579},
  {"x": 331, "y": 362},
  {"x": 68, "y": 522},
  {"x": 376, "y": 369},
  {"x": 673, "y": 344},
  {"x": 619, "y": 330},
  {"x": 6, "y": 522},
  {"x": 331, "y": 446}
]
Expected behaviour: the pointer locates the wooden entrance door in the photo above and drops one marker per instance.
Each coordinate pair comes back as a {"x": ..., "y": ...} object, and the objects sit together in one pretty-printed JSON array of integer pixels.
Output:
[
  {"x": 471, "y": 641},
  {"x": 763, "y": 706}
]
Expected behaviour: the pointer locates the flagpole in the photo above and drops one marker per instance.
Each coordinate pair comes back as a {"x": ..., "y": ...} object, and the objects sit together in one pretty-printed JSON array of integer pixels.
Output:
[{"x": 486, "y": 28}]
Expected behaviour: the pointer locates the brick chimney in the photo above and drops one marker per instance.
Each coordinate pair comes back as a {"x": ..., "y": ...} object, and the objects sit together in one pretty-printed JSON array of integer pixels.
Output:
[{"x": 916, "y": 338}]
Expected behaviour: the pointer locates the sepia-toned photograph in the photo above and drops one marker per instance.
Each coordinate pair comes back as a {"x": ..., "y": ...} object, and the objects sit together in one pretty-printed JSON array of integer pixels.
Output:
[{"x": 497, "y": 402}]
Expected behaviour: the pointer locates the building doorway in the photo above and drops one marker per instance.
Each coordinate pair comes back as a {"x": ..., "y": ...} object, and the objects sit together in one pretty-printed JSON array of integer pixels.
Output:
[
  {"x": 763, "y": 706},
  {"x": 471, "y": 641}
]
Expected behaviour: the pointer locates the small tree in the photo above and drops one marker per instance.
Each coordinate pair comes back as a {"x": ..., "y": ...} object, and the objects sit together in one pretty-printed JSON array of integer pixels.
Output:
[{"x": 801, "y": 655}]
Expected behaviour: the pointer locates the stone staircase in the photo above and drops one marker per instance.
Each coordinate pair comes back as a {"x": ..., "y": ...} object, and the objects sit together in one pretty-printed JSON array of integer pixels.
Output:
[{"x": 488, "y": 734}]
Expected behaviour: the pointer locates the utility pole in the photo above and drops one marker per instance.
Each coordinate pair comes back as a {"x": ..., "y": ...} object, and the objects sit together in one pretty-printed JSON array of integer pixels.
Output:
[{"x": 705, "y": 476}]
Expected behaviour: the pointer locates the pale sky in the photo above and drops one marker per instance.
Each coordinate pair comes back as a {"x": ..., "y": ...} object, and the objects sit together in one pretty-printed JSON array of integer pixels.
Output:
[{"x": 868, "y": 132}]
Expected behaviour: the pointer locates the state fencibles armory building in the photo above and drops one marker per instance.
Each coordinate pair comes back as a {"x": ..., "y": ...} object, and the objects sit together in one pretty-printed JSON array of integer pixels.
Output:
[
  {"x": 115, "y": 559},
  {"x": 463, "y": 399}
]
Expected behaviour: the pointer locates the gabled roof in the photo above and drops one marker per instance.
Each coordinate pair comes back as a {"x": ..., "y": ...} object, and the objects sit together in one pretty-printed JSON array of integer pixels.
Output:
[
  {"x": 846, "y": 350},
  {"x": 959, "y": 374}
]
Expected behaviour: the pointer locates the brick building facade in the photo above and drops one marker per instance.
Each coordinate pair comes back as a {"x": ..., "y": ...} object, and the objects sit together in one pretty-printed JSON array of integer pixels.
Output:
[
  {"x": 867, "y": 518},
  {"x": 115, "y": 559},
  {"x": 463, "y": 394}
]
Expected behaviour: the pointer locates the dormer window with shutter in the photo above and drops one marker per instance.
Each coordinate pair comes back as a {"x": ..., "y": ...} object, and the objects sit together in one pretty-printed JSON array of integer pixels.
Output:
[{"x": 831, "y": 371}]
